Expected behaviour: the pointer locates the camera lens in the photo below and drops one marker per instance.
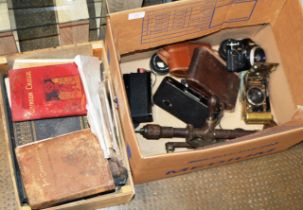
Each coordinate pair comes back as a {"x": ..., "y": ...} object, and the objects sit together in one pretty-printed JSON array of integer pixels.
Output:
[
  {"x": 257, "y": 55},
  {"x": 255, "y": 96},
  {"x": 260, "y": 55}
]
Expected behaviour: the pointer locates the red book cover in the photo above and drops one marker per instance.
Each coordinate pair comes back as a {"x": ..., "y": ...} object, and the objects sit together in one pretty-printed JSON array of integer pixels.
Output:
[{"x": 46, "y": 92}]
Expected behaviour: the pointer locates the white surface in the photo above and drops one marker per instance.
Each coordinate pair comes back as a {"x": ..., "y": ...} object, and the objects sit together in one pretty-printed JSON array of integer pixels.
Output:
[
  {"x": 24, "y": 63},
  {"x": 4, "y": 18},
  {"x": 71, "y": 10}
]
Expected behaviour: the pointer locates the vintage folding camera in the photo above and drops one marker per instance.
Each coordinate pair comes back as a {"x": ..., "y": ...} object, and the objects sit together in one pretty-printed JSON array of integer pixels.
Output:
[
  {"x": 256, "y": 100},
  {"x": 241, "y": 55}
]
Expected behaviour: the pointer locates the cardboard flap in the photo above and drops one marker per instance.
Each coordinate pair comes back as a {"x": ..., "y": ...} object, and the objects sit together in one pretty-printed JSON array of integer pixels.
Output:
[
  {"x": 298, "y": 116},
  {"x": 288, "y": 31},
  {"x": 154, "y": 26}
]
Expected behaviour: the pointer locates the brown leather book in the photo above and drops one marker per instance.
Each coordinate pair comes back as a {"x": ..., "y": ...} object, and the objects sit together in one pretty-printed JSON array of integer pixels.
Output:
[
  {"x": 208, "y": 75},
  {"x": 63, "y": 168}
]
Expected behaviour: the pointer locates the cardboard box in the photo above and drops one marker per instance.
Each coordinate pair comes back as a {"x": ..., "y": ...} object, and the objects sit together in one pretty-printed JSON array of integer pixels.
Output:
[
  {"x": 125, "y": 193},
  {"x": 134, "y": 35}
]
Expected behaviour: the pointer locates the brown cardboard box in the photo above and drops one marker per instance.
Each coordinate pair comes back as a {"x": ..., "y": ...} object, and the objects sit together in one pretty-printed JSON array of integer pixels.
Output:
[
  {"x": 134, "y": 35},
  {"x": 122, "y": 195}
]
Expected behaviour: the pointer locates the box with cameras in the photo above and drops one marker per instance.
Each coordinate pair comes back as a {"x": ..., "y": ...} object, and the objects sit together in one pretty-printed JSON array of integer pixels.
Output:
[
  {"x": 65, "y": 198},
  {"x": 263, "y": 34}
]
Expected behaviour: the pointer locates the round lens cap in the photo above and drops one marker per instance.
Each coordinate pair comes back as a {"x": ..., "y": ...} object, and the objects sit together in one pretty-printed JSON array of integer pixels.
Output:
[{"x": 157, "y": 65}]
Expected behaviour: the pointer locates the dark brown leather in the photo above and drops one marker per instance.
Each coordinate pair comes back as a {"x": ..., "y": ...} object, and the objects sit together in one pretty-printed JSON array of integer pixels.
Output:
[
  {"x": 208, "y": 75},
  {"x": 178, "y": 56}
]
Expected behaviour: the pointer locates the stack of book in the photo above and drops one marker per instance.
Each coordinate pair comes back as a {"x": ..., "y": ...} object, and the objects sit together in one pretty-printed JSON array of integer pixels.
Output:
[
  {"x": 58, "y": 157},
  {"x": 45, "y": 101}
]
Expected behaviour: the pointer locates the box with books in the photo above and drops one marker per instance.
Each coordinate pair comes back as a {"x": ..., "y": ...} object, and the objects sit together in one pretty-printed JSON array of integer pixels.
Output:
[{"x": 62, "y": 129}]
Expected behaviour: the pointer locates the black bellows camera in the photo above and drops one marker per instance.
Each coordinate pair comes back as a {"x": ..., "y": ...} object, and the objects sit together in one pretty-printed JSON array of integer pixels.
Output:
[{"x": 241, "y": 55}]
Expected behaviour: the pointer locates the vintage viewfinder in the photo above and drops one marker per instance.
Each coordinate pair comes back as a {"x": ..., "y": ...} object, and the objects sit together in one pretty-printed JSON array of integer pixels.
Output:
[
  {"x": 256, "y": 94},
  {"x": 182, "y": 102}
]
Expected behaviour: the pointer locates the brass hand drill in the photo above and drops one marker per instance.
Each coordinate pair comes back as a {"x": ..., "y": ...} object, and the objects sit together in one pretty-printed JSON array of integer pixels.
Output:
[{"x": 195, "y": 137}]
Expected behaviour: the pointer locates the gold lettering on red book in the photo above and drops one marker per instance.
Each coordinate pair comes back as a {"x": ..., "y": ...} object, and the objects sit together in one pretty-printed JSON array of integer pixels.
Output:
[
  {"x": 29, "y": 81},
  {"x": 31, "y": 102},
  {"x": 29, "y": 87}
]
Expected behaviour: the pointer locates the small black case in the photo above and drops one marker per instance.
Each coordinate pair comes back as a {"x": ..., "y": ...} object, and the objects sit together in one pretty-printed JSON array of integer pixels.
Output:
[
  {"x": 138, "y": 89},
  {"x": 182, "y": 102}
]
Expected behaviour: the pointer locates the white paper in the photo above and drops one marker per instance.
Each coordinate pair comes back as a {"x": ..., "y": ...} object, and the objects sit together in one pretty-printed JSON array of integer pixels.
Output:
[
  {"x": 89, "y": 69},
  {"x": 136, "y": 15},
  {"x": 8, "y": 91}
]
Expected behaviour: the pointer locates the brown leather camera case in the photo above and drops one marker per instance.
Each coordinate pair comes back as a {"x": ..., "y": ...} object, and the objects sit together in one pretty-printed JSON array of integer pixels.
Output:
[
  {"x": 208, "y": 75},
  {"x": 178, "y": 57}
]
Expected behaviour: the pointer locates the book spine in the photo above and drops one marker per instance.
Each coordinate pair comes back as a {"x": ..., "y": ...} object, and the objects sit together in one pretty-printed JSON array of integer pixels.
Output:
[
  {"x": 20, "y": 187},
  {"x": 30, "y": 131},
  {"x": 24, "y": 133}
]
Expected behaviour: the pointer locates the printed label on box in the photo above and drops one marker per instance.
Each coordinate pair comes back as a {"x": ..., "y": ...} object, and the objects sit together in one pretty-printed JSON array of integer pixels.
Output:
[{"x": 194, "y": 17}]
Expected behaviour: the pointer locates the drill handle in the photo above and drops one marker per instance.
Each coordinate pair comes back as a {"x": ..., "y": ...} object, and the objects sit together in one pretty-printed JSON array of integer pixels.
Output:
[
  {"x": 156, "y": 132},
  {"x": 231, "y": 134}
]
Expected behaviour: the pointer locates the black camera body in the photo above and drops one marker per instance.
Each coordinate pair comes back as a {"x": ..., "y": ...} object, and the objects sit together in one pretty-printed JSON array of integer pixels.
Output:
[
  {"x": 241, "y": 55},
  {"x": 256, "y": 94},
  {"x": 182, "y": 102}
]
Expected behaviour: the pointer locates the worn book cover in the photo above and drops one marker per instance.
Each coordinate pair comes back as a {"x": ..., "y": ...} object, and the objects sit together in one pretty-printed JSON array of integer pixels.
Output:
[
  {"x": 34, "y": 130},
  {"x": 26, "y": 132},
  {"x": 46, "y": 92},
  {"x": 63, "y": 168}
]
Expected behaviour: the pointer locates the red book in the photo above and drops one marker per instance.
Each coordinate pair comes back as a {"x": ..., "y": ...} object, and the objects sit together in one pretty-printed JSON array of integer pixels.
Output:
[{"x": 46, "y": 92}]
